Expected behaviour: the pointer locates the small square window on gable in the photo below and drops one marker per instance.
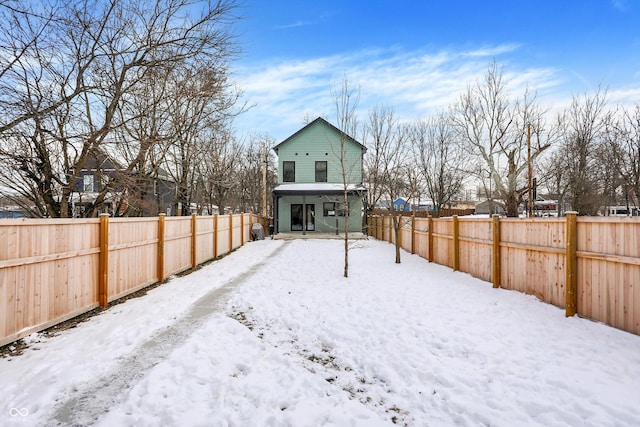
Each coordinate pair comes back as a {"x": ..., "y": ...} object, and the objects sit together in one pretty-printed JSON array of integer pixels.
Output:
[
  {"x": 321, "y": 171},
  {"x": 288, "y": 171}
]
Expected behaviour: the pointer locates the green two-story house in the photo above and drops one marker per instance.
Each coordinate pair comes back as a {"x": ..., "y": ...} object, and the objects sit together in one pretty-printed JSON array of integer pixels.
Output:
[{"x": 313, "y": 166}]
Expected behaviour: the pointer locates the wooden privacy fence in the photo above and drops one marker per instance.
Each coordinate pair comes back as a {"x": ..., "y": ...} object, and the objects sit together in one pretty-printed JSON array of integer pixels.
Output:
[
  {"x": 54, "y": 269},
  {"x": 587, "y": 265}
]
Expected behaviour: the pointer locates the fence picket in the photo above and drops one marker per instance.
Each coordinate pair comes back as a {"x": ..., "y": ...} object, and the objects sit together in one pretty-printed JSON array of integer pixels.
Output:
[
  {"x": 495, "y": 253},
  {"x": 78, "y": 264},
  {"x": 586, "y": 265},
  {"x": 103, "y": 269}
]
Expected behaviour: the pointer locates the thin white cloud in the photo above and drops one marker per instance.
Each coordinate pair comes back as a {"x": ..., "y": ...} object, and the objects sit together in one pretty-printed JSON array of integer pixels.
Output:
[
  {"x": 628, "y": 97},
  {"x": 621, "y": 5},
  {"x": 294, "y": 25},
  {"x": 416, "y": 84},
  {"x": 491, "y": 51}
]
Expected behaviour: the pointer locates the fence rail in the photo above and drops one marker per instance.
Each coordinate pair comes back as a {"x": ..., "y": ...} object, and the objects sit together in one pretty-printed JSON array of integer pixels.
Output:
[
  {"x": 589, "y": 266},
  {"x": 54, "y": 269}
]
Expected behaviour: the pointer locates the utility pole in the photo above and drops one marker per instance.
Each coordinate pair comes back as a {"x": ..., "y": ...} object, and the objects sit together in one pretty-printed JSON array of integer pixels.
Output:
[
  {"x": 264, "y": 180},
  {"x": 530, "y": 201}
]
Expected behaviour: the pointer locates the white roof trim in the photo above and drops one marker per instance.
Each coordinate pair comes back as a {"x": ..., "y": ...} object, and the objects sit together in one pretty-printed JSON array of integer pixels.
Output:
[{"x": 318, "y": 187}]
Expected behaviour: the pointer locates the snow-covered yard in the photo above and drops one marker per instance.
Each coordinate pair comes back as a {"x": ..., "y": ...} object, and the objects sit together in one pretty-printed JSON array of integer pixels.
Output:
[{"x": 273, "y": 335}]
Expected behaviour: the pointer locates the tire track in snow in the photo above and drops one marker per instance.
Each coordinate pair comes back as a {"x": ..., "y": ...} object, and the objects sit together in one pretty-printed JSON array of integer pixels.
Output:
[{"x": 87, "y": 403}]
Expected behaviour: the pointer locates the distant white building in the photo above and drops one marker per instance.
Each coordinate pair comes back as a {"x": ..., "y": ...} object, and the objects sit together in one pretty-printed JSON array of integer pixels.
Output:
[{"x": 622, "y": 211}]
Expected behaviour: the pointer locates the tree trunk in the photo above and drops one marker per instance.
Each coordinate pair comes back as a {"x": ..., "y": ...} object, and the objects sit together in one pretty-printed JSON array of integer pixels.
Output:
[
  {"x": 346, "y": 232},
  {"x": 396, "y": 231},
  {"x": 511, "y": 208}
]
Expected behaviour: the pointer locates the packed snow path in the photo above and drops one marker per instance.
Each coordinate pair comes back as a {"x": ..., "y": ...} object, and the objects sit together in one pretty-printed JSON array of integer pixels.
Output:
[
  {"x": 273, "y": 335},
  {"x": 96, "y": 398}
]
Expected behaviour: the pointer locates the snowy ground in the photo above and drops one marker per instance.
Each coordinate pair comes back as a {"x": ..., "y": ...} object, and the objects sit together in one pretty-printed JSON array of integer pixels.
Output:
[{"x": 273, "y": 335}]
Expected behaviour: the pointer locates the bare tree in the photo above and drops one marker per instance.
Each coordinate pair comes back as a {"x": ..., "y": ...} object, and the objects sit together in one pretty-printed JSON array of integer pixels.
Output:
[
  {"x": 583, "y": 126},
  {"x": 389, "y": 139},
  {"x": 201, "y": 104},
  {"x": 346, "y": 101},
  {"x": 440, "y": 159},
  {"x": 74, "y": 84},
  {"x": 622, "y": 148},
  {"x": 553, "y": 177},
  {"x": 378, "y": 137},
  {"x": 250, "y": 186},
  {"x": 141, "y": 143},
  {"x": 415, "y": 183},
  {"x": 495, "y": 129},
  {"x": 28, "y": 41},
  {"x": 218, "y": 171}
]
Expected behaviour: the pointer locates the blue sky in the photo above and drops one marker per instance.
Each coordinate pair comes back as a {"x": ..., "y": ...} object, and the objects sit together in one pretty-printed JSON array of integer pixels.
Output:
[{"x": 417, "y": 57}]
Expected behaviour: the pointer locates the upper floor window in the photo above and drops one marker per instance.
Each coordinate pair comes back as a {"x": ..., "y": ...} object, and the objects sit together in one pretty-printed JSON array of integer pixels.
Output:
[
  {"x": 288, "y": 171},
  {"x": 321, "y": 171},
  {"x": 88, "y": 183}
]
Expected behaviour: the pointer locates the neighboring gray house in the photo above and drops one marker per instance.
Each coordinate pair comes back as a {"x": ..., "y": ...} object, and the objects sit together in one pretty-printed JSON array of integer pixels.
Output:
[
  {"x": 98, "y": 172},
  {"x": 489, "y": 208},
  {"x": 128, "y": 194},
  {"x": 14, "y": 207},
  {"x": 309, "y": 196}
]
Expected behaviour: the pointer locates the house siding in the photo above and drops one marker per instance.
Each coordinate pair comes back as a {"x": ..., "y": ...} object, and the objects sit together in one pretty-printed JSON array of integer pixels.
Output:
[
  {"x": 322, "y": 224},
  {"x": 321, "y": 143}
]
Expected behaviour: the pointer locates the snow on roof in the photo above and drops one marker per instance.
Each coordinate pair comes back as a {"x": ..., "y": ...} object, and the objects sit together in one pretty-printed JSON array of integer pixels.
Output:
[{"x": 317, "y": 187}]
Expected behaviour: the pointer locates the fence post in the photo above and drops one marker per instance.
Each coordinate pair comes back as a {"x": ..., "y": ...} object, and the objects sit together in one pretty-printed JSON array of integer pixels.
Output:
[
  {"x": 456, "y": 244},
  {"x": 241, "y": 228},
  {"x": 103, "y": 261},
  {"x": 430, "y": 225},
  {"x": 413, "y": 234},
  {"x": 161, "y": 218},
  {"x": 230, "y": 232},
  {"x": 495, "y": 253},
  {"x": 571, "y": 263},
  {"x": 194, "y": 243},
  {"x": 215, "y": 236}
]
